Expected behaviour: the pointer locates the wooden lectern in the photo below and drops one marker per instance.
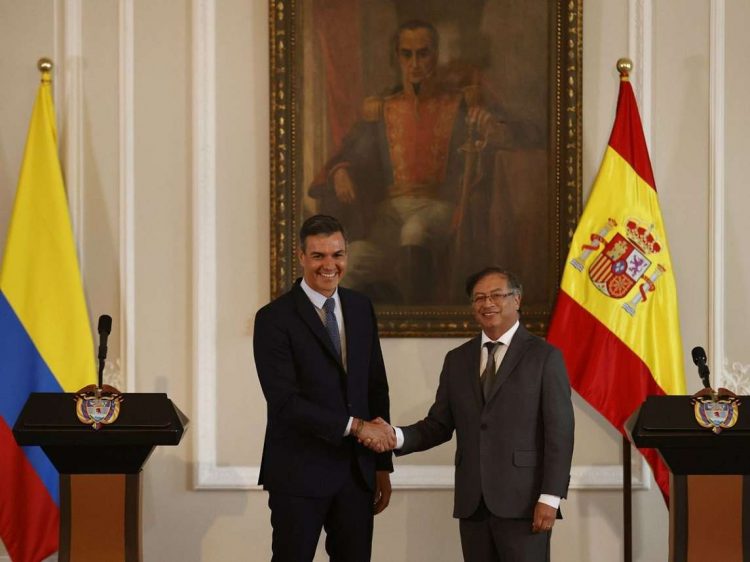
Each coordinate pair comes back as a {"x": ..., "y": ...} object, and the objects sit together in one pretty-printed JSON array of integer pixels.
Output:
[
  {"x": 100, "y": 470},
  {"x": 709, "y": 505}
]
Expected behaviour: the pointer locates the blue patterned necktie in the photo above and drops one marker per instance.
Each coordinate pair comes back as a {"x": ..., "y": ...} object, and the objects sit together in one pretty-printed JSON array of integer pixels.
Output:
[{"x": 332, "y": 326}]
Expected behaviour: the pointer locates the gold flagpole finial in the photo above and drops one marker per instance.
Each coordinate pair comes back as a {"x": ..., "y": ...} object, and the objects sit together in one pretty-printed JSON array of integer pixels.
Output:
[
  {"x": 45, "y": 65},
  {"x": 624, "y": 66}
]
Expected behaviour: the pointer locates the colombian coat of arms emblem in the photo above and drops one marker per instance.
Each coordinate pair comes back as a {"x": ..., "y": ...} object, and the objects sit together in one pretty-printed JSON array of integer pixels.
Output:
[
  {"x": 98, "y": 406},
  {"x": 716, "y": 410}
]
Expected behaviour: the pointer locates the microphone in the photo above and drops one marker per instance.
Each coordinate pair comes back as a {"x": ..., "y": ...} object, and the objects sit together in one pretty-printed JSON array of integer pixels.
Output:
[
  {"x": 699, "y": 358},
  {"x": 104, "y": 328}
]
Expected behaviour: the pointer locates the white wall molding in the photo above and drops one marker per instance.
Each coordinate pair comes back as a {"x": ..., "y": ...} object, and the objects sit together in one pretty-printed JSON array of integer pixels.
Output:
[
  {"x": 58, "y": 32},
  {"x": 112, "y": 374},
  {"x": 52, "y": 558},
  {"x": 70, "y": 64},
  {"x": 208, "y": 475},
  {"x": 735, "y": 378},
  {"x": 438, "y": 477},
  {"x": 67, "y": 90},
  {"x": 716, "y": 199},
  {"x": 640, "y": 41},
  {"x": 126, "y": 33}
]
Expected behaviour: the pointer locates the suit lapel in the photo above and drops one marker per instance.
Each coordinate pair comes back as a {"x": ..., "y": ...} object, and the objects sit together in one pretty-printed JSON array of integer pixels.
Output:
[
  {"x": 351, "y": 329},
  {"x": 309, "y": 316},
  {"x": 518, "y": 346}
]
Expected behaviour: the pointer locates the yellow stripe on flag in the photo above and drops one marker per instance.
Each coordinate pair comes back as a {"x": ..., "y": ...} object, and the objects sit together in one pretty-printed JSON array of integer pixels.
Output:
[{"x": 40, "y": 275}]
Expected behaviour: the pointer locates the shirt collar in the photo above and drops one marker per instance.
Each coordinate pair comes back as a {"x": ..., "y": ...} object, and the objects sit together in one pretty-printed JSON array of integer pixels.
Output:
[
  {"x": 318, "y": 299},
  {"x": 505, "y": 338}
]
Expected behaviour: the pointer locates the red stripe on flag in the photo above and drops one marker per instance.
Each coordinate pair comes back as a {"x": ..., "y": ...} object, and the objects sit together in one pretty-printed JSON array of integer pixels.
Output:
[
  {"x": 627, "y": 134},
  {"x": 604, "y": 371},
  {"x": 30, "y": 529}
]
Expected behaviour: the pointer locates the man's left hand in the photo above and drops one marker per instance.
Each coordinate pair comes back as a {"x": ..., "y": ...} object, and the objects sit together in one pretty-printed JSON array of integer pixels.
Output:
[
  {"x": 544, "y": 518},
  {"x": 382, "y": 490}
]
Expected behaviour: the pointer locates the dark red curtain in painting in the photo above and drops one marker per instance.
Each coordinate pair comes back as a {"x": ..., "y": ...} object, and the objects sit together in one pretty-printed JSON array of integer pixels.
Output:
[{"x": 337, "y": 24}]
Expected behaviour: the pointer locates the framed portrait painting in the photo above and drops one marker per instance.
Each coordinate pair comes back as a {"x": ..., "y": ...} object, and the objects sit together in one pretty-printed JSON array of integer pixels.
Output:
[{"x": 445, "y": 136}]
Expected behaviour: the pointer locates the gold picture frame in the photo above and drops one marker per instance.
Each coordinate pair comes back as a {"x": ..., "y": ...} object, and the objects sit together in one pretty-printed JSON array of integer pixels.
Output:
[{"x": 331, "y": 62}]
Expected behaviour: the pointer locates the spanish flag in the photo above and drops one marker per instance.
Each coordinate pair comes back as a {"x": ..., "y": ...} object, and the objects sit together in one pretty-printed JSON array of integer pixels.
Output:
[
  {"x": 616, "y": 318},
  {"x": 45, "y": 335}
]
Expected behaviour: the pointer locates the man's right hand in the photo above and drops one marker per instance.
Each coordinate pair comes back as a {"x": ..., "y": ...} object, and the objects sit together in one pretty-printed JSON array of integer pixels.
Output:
[
  {"x": 343, "y": 186},
  {"x": 377, "y": 435}
]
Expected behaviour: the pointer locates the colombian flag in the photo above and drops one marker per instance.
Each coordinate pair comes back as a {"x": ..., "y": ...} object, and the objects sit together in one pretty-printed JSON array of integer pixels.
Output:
[
  {"x": 45, "y": 335},
  {"x": 616, "y": 318}
]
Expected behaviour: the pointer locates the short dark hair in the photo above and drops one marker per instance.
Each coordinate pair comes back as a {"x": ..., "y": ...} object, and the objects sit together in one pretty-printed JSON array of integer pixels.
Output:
[
  {"x": 411, "y": 25},
  {"x": 319, "y": 224},
  {"x": 513, "y": 283}
]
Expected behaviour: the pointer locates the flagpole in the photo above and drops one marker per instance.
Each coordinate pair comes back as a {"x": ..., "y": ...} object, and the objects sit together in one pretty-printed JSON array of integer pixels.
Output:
[
  {"x": 624, "y": 66},
  {"x": 627, "y": 500}
]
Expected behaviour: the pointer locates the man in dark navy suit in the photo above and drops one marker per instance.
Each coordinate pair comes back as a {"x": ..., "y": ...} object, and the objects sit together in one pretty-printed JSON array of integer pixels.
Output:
[{"x": 320, "y": 365}]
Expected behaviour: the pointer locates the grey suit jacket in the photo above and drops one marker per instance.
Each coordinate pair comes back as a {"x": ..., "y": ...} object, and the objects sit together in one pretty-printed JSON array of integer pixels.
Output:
[{"x": 516, "y": 446}]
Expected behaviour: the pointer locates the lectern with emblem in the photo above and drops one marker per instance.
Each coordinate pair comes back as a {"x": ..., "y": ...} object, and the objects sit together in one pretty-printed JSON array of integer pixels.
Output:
[
  {"x": 704, "y": 439},
  {"x": 100, "y": 469},
  {"x": 98, "y": 440}
]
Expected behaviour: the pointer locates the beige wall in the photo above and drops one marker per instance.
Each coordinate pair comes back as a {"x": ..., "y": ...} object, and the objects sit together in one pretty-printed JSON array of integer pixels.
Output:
[{"x": 137, "y": 223}]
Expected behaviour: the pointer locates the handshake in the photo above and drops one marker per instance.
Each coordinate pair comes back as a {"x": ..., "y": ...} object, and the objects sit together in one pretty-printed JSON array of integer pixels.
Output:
[{"x": 377, "y": 434}]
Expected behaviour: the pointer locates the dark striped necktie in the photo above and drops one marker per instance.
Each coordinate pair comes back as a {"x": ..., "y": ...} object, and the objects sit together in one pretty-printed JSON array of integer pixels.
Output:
[{"x": 488, "y": 375}]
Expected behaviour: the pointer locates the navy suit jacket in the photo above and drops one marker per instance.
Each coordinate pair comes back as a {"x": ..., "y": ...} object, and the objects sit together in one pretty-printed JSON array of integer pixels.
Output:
[
  {"x": 310, "y": 396},
  {"x": 514, "y": 447}
]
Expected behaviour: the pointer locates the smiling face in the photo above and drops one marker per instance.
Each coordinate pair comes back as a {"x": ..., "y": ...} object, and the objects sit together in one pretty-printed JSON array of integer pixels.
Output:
[
  {"x": 323, "y": 262},
  {"x": 496, "y": 315},
  {"x": 417, "y": 56}
]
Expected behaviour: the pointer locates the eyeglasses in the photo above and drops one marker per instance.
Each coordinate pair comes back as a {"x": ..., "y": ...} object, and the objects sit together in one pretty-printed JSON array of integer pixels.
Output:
[{"x": 494, "y": 297}]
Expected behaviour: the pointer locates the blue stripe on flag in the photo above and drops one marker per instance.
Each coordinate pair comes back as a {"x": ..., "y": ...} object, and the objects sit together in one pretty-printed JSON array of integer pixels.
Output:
[{"x": 23, "y": 371}]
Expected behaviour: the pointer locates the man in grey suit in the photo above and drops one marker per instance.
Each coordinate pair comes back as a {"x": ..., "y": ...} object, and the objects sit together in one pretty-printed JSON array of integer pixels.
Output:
[{"x": 506, "y": 394}]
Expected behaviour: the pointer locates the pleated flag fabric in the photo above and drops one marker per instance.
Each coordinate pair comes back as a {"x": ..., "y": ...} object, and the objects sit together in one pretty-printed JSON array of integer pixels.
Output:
[
  {"x": 45, "y": 334},
  {"x": 616, "y": 318}
]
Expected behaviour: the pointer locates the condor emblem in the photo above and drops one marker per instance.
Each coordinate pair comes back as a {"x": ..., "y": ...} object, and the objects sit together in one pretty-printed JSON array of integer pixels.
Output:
[{"x": 622, "y": 262}]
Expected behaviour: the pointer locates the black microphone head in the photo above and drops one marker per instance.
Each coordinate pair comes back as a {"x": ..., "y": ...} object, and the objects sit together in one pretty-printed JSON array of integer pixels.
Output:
[
  {"x": 105, "y": 324},
  {"x": 699, "y": 355}
]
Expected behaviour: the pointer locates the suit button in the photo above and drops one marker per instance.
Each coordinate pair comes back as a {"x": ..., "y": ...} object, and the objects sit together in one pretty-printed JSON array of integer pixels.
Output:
[
  {"x": 349, "y": 406},
  {"x": 483, "y": 426}
]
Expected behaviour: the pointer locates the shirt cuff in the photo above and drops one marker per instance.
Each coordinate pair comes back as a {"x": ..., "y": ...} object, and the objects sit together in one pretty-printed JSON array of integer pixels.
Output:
[
  {"x": 348, "y": 427},
  {"x": 399, "y": 437},
  {"x": 550, "y": 500}
]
